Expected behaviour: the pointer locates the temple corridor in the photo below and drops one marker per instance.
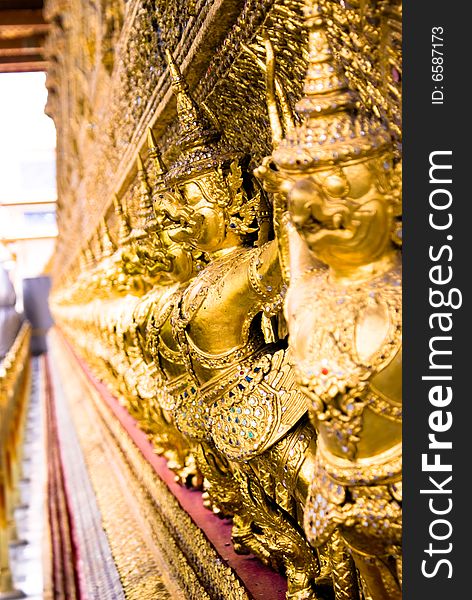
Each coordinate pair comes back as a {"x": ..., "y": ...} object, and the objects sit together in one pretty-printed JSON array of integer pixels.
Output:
[
  {"x": 201, "y": 299},
  {"x": 27, "y": 551},
  {"x": 90, "y": 519}
]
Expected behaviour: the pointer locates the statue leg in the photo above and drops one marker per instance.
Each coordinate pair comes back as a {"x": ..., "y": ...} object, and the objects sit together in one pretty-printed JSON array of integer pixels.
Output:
[{"x": 379, "y": 576}]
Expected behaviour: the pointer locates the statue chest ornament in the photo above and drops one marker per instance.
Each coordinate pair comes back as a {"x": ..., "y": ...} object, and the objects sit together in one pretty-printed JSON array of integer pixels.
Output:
[
  {"x": 346, "y": 367},
  {"x": 195, "y": 338},
  {"x": 166, "y": 385},
  {"x": 247, "y": 409},
  {"x": 244, "y": 398},
  {"x": 191, "y": 407},
  {"x": 354, "y": 334}
]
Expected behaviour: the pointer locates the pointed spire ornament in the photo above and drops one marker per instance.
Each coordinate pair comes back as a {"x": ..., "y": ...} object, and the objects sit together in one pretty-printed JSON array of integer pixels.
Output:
[
  {"x": 98, "y": 242},
  {"x": 145, "y": 190},
  {"x": 160, "y": 168},
  {"x": 195, "y": 129},
  {"x": 89, "y": 254},
  {"x": 108, "y": 247},
  {"x": 276, "y": 96},
  {"x": 160, "y": 185},
  {"x": 125, "y": 229},
  {"x": 145, "y": 210},
  {"x": 199, "y": 140},
  {"x": 332, "y": 130},
  {"x": 83, "y": 260}
]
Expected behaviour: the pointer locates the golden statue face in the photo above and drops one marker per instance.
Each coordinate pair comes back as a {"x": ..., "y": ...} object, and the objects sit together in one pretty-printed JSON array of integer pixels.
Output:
[
  {"x": 344, "y": 214},
  {"x": 155, "y": 256},
  {"x": 205, "y": 226},
  {"x": 131, "y": 263},
  {"x": 178, "y": 260}
]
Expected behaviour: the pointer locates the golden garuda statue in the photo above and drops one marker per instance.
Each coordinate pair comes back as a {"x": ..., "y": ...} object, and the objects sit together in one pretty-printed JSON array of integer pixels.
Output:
[
  {"x": 247, "y": 310},
  {"x": 341, "y": 186}
]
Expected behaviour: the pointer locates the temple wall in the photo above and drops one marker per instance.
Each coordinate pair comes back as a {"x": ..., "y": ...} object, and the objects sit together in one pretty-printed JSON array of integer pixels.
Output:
[{"x": 227, "y": 269}]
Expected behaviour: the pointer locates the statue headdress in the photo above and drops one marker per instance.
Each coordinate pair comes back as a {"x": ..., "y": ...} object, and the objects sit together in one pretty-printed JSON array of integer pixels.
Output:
[
  {"x": 158, "y": 164},
  {"x": 160, "y": 184},
  {"x": 144, "y": 210},
  {"x": 281, "y": 121},
  {"x": 89, "y": 253},
  {"x": 149, "y": 244},
  {"x": 107, "y": 246},
  {"x": 203, "y": 152},
  {"x": 332, "y": 129},
  {"x": 125, "y": 229},
  {"x": 83, "y": 260},
  {"x": 199, "y": 141}
]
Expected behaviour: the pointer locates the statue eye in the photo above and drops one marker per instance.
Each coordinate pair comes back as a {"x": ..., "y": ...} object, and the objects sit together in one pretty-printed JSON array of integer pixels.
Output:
[{"x": 336, "y": 186}]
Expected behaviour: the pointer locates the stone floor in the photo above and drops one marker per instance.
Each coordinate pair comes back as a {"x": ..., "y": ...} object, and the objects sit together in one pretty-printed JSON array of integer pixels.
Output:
[{"x": 27, "y": 556}]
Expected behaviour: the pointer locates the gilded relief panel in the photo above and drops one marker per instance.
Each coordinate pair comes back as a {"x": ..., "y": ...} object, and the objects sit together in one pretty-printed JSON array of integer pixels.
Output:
[{"x": 229, "y": 262}]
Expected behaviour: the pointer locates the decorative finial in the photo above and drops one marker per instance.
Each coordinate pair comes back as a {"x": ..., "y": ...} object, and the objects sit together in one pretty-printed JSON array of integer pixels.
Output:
[
  {"x": 145, "y": 216},
  {"x": 160, "y": 168},
  {"x": 332, "y": 130},
  {"x": 83, "y": 260},
  {"x": 98, "y": 241},
  {"x": 89, "y": 253},
  {"x": 140, "y": 167},
  {"x": 108, "y": 247},
  {"x": 195, "y": 130},
  {"x": 125, "y": 229},
  {"x": 160, "y": 184},
  {"x": 178, "y": 82},
  {"x": 199, "y": 140}
]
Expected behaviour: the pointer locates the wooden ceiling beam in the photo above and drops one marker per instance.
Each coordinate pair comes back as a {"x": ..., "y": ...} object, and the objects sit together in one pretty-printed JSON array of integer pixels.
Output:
[
  {"x": 19, "y": 58},
  {"x": 11, "y": 32},
  {"x": 21, "y": 16},
  {"x": 16, "y": 24},
  {"x": 22, "y": 36},
  {"x": 21, "y": 51},
  {"x": 23, "y": 66},
  {"x": 34, "y": 41}
]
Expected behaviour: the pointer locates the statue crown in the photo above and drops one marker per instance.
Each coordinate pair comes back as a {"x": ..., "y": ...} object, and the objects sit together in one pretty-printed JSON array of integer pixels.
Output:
[
  {"x": 108, "y": 247},
  {"x": 125, "y": 229},
  {"x": 332, "y": 130},
  {"x": 198, "y": 139},
  {"x": 160, "y": 169},
  {"x": 194, "y": 126}
]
